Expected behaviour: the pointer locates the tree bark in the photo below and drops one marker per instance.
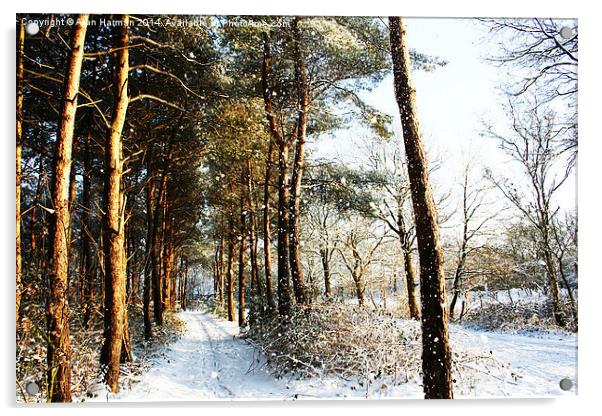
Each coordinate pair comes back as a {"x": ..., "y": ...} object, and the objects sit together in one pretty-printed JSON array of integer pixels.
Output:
[
  {"x": 148, "y": 269},
  {"x": 436, "y": 352},
  {"x": 410, "y": 283},
  {"x": 19, "y": 139},
  {"x": 185, "y": 285},
  {"x": 59, "y": 346},
  {"x": 230, "y": 272},
  {"x": 298, "y": 165},
  {"x": 167, "y": 258},
  {"x": 241, "y": 263},
  {"x": 326, "y": 268},
  {"x": 284, "y": 295},
  {"x": 115, "y": 272},
  {"x": 256, "y": 286},
  {"x": 552, "y": 274}
]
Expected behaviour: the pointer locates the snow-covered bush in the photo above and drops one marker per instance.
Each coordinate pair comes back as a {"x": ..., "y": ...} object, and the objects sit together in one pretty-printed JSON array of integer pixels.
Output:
[
  {"x": 357, "y": 344},
  {"x": 518, "y": 316}
]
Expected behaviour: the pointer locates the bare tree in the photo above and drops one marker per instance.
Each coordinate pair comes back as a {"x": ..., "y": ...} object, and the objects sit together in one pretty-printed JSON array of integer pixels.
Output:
[
  {"x": 357, "y": 250},
  {"x": 396, "y": 212},
  {"x": 534, "y": 142},
  {"x": 474, "y": 202},
  {"x": 322, "y": 227},
  {"x": 545, "y": 52}
]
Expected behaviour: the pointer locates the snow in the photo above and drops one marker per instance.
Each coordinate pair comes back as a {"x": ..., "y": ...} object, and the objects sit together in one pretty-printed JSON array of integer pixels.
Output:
[
  {"x": 540, "y": 361},
  {"x": 210, "y": 362}
]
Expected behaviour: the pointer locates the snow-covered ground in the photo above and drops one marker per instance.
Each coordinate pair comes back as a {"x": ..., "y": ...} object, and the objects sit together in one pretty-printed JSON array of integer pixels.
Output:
[{"x": 210, "y": 362}]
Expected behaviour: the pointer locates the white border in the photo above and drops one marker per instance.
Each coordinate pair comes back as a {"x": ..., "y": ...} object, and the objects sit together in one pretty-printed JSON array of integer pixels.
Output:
[{"x": 589, "y": 186}]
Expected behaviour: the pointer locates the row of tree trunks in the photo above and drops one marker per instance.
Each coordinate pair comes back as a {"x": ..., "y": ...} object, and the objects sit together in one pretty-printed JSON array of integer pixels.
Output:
[
  {"x": 436, "y": 352},
  {"x": 158, "y": 228},
  {"x": 59, "y": 347},
  {"x": 289, "y": 189},
  {"x": 114, "y": 217},
  {"x": 283, "y": 145},
  {"x": 274, "y": 139}
]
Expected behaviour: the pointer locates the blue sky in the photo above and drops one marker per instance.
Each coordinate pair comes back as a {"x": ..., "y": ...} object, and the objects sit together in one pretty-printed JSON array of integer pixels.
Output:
[{"x": 452, "y": 102}]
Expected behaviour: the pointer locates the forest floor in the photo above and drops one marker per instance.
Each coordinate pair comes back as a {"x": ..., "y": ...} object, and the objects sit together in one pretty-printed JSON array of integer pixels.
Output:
[{"x": 211, "y": 362}]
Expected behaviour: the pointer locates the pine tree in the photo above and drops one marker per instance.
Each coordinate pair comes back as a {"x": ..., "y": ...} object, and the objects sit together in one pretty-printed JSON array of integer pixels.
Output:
[
  {"x": 114, "y": 218},
  {"x": 436, "y": 352},
  {"x": 59, "y": 345}
]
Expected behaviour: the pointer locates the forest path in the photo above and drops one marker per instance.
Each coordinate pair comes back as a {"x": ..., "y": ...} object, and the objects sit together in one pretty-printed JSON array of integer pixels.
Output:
[
  {"x": 210, "y": 362},
  {"x": 207, "y": 363}
]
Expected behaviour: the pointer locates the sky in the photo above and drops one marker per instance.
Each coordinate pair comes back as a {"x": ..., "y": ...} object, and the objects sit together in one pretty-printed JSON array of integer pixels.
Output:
[{"x": 453, "y": 101}]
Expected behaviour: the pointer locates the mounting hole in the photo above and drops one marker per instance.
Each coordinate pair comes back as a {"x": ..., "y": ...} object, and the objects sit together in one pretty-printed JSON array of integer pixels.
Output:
[
  {"x": 566, "y": 32},
  {"x": 32, "y": 388},
  {"x": 566, "y": 384},
  {"x": 32, "y": 28}
]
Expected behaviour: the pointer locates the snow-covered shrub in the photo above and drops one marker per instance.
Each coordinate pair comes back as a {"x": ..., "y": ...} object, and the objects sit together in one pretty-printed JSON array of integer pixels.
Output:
[
  {"x": 357, "y": 344},
  {"x": 519, "y": 316}
]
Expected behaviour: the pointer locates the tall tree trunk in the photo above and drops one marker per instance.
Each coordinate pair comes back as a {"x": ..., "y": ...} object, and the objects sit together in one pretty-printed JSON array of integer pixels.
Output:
[
  {"x": 299, "y": 162},
  {"x": 148, "y": 270},
  {"x": 115, "y": 272},
  {"x": 219, "y": 266},
  {"x": 59, "y": 346},
  {"x": 230, "y": 272},
  {"x": 19, "y": 139},
  {"x": 241, "y": 263},
  {"x": 157, "y": 283},
  {"x": 326, "y": 268},
  {"x": 215, "y": 270},
  {"x": 185, "y": 285},
  {"x": 552, "y": 275},
  {"x": 276, "y": 138},
  {"x": 174, "y": 270},
  {"x": 410, "y": 282},
  {"x": 34, "y": 214},
  {"x": 284, "y": 291},
  {"x": 457, "y": 278},
  {"x": 359, "y": 290},
  {"x": 267, "y": 232},
  {"x": 436, "y": 352},
  {"x": 167, "y": 257},
  {"x": 87, "y": 261},
  {"x": 257, "y": 287}
]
